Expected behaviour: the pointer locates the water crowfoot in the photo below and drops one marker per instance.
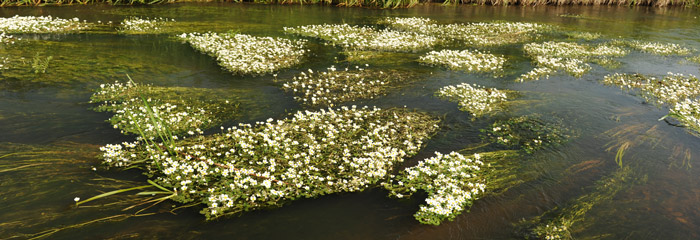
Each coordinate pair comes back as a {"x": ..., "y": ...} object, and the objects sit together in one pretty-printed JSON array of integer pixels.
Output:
[
  {"x": 472, "y": 34},
  {"x": 245, "y": 54},
  {"x": 273, "y": 162},
  {"x": 474, "y": 99},
  {"x": 465, "y": 60},
  {"x": 452, "y": 181},
  {"x": 136, "y": 25},
  {"x": 31, "y": 24},
  {"x": 334, "y": 86},
  {"x": 366, "y": 38},
  {"x": 147, "y": 110},
  {"x": 657, "y": 48},
  {"x": 570, "y": 57}
]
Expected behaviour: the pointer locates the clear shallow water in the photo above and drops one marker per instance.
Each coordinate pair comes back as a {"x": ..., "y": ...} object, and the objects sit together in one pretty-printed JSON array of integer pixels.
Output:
[{"x": 50, "y": 112}]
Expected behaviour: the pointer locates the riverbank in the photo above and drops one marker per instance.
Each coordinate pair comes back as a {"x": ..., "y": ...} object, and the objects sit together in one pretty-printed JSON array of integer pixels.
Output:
[{"x": 372, "y": 3}]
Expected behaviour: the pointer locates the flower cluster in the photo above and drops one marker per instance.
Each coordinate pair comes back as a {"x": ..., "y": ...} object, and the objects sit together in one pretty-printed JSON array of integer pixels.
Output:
[
  {"x": 334, "y": 87},
  {"x": 465, "y": 60},
  {"x": 136, "y": 25},
  {"x": 474, "y": 99},
  {"x": 657, "y": 48},
  {"x": 474, "y": 34},
  {"x": 528, "y": 133},
  {"x": 366, "y": 38},
  {"x": 570, "y": 57},
  {"x": 678, "y": 91},
  {"x": 151, "y": 111},
  {"x": 695, "y": 59},
  {"x": 31, "y": 24},
  {"x": 245, "y": 54},
  {"x": 452, "y": 182},
  {"x": 688, "y": 113},
  {"x": 553, "y": 231},
  {"x": 673, "y": 88},
  {"x": 271, "y": 163},
  {"x": 6, "y": 39}
]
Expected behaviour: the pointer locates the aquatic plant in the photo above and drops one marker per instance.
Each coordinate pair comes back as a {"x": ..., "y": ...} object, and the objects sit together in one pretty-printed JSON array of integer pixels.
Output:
[
  {"x": 245, "y": 54},
  {"x": 588, "y": 36},
  {"x": 268, "y": 164},
  {"x": 40, "y": 64},
  {"x": 365, "y": 38},
  {"x": 41, "y": 24},
  {"x": 136, "y": 25},
  {"x": 673, "y": 88},
  {"x": 665, "y": 49},
  {"x": 465, "y": 60},
  {"x": 334, "y": 87},
  {"x": 695, "y": 59},
  {"x": 474, "y": 99},
  {"x": 478, "y": 34},
  {"x": 688, "y": 113},
  {"x": 557, "y": 223},
  {"x": 453, "y": 182},
  {"x": 550, "y": 57},
  {"x": 149, "y": 111},
  {"x": 528, "y": 133},
  {"x": 6, "y": 39}
]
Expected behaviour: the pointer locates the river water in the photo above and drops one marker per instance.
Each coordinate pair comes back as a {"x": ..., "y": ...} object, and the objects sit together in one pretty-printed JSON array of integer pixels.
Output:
[{"x": 47, "y": 126}]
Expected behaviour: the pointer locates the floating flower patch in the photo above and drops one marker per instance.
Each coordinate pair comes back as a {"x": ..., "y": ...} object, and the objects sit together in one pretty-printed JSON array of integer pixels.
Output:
[
  {"x": 365, "y": 38},
  {"x": 271, "y": 163},
  {"x": 136, "y": 25},
  {"x": 334, "y": 87},
  {"x": 528, "y": 133},
  {"x": 665, "y": 49},
  {"x": 695, "y": 59},
  {"x": 474, "y": 99},
  {"x": 452, "y": 181},
  {"x": 550, "y": 57},
  {"x": 6, "y": 39},
  {"x": 245, "y": 54},
  {"x": 673, "y": 88},
  {"x": 31, "y": 24},
  {"x": 474, "y": 34},
  {"x": 151, "y": 111},
  {"x": 688, "y": 113},
  {"x": 465, "y": 60}
]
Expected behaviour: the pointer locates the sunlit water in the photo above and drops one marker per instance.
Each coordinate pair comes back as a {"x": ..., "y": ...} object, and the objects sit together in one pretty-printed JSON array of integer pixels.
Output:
[{"x": 50, "y": 112}]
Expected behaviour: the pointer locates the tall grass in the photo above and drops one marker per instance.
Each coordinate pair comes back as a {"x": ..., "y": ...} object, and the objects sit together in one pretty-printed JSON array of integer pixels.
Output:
[{"x": 371, "y": 3}]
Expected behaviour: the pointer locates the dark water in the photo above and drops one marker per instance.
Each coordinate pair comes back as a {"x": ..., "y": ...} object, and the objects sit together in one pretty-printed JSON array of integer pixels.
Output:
[{"x": 49, "y": 115}]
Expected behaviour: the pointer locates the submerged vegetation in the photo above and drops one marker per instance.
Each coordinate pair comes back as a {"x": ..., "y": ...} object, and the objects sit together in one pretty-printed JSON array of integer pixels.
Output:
[
  {"x": 245, "y": 54},
  {"x": 334, "y": 87},
  {"x": 529, "y": 133}
]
